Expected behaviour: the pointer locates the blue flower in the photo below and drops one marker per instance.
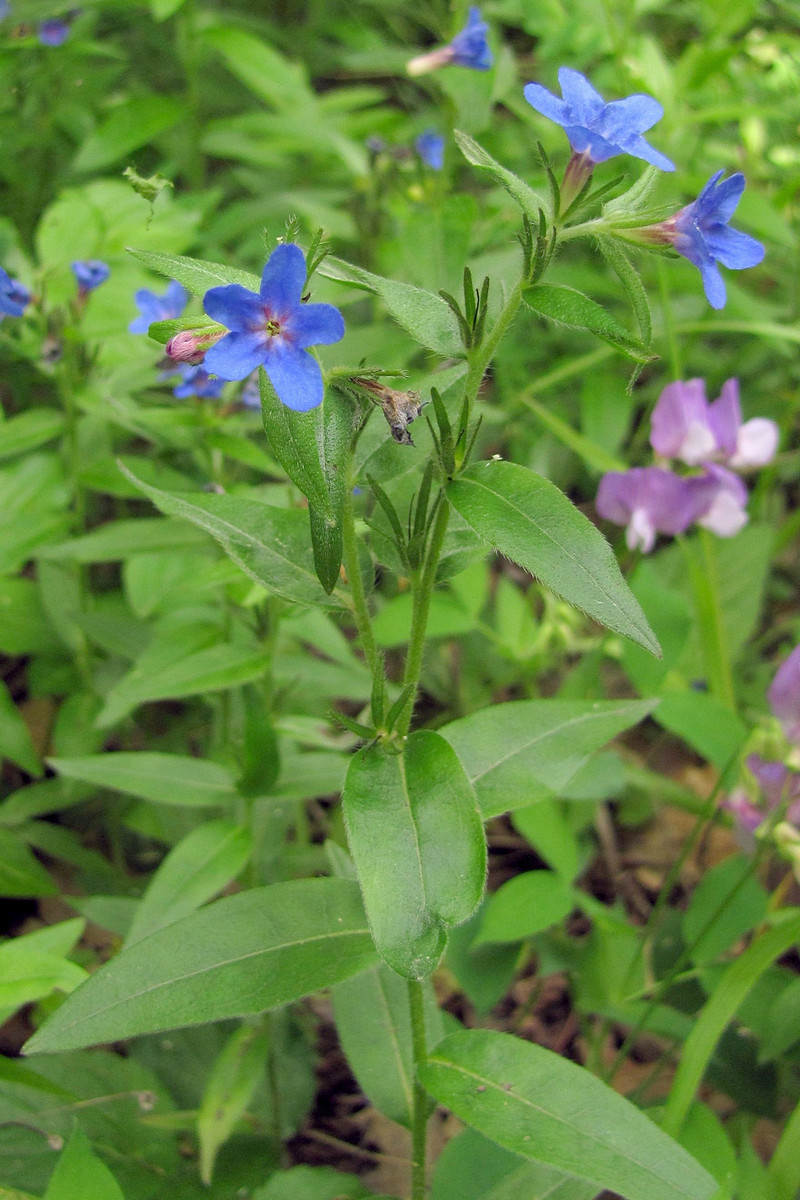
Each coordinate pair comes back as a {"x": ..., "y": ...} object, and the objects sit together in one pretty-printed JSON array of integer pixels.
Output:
[
  {"x": 90, "y": 273},
  {"x": 701, "y": 233},
  {"x": 469, "y": 48},
  {"x": 251, "y": 393},
  {"x": 273, "y": 329},
  {"x": 196, "y": 382},
  {"x": 598, "y": 131},
  {"x": 430, "y": 147},
  {"x": 153, "y": 307},
  {"x": 5, "y": 9},
  {"x": 53, "y": 33},
  {"x": 14, "y": 297}
]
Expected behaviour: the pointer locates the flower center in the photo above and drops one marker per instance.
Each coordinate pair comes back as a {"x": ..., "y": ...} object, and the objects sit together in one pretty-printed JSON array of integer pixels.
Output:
[{"x": 273, "y": 326}]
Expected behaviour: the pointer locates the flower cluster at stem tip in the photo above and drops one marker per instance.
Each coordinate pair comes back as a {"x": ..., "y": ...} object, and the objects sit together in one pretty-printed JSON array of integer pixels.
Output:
[
  {"x": 90, "y": 273},
  {"x": 684, "y": 426}
]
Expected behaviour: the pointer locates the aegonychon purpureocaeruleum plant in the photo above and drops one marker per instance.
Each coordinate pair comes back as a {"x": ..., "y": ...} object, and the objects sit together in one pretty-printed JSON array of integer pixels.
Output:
[{"x": 415, "y": 798}]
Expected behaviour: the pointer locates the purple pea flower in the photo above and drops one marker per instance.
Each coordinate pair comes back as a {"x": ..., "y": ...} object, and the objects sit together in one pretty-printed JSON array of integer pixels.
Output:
[
  {"x": 701, "y": 233},
  {"x": 53, "y": 33},
  {"x": 469, "y": 48},
  {"x": 721, "y": 500},
  {"x": 686, "y": 426},
  {"x": 153, "y": 307},
  {"x": 273, "y": 328},
  {"x": 596, "y": 130},
  {"x": 430, "y": 147},
  {"x": 784, "y": 695},
  {"x": 14, "y": 296},
  {"x": 196, "y": 381},
  {"x": 648, "y": 501},
  {"x": 90, "y": 273}
]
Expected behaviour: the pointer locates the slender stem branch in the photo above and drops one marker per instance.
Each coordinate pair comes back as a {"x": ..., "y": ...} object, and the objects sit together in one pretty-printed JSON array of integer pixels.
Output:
[
  {"x": 704, "y": 577},
  {"x": 423, "y": 593},
  {"x": 482, "y": 355},
  {"x": 357, "y": 593},
  {"x": 419, "y": 1126}
]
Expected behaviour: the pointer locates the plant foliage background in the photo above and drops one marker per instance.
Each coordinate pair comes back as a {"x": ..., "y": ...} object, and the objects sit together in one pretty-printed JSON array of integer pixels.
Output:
[{"x": 173, "y": 731}]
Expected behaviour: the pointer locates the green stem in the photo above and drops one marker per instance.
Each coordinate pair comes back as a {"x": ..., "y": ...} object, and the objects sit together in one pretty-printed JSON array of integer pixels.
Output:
[
  {"x": 423, "y": 592},
  {"x": 358, "y": 595},
  {"x": 481, "y": 356},
  {"x": 704, "y": 576},
  {"x": 419, "y": 1125}
]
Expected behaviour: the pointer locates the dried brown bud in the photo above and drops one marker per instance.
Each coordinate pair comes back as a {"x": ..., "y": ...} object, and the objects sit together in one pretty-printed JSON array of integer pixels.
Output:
[{"x": 399, "y": 408}]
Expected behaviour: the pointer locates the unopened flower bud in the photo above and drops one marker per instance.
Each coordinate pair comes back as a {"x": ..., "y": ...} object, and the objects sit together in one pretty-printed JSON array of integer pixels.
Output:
[{"x": 187, "y": 347}]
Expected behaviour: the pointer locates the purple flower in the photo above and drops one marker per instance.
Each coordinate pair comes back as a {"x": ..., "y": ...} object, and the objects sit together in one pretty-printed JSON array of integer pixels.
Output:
[
  {"x": 53, "y": 33},
  {"x": 784, "y": 695},
  {"x": 469, "y": 48},
  {"x": 14, "y": 297},
  {"x": 721, "y": 500},
  {"x": 686, "y": 426},
  {"x": 746, "y": 814},
  {"x": 701, "y": 233},
  {"x": 430, "y": 147},
  {"x": 197, "y": 382},
  {"x": 648, "y": 500},
  {"x": 598, "y": 131},
  {"x": 273, "y": 328},
  {"x": 90, "y": 273},
  {"x": 153, "y": 307}
]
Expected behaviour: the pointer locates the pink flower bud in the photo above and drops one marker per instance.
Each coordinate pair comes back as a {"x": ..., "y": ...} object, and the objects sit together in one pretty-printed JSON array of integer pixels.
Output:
[{"x": 188, "y": 346}]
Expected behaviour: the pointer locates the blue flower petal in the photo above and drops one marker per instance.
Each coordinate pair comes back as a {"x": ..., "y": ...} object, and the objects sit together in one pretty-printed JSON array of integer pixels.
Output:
[
  {"x": 713, "y": 283},
  {"x": 635, "y": 145},
  {"x": 718, "y": 201},
  {"x": 315, "y": 324},
  {"x": 175, "y": 298},
  {"x": 236, "y": 355},
  {"x": 585, "y": 104},
  {"x": 546, "y": 103},
  {"x": 593, "y": 145},
  {"x": 284, "y": 278},
  {"x": 733, "y": 248},
  {"x": 634, "y": 113},
  {"x": 235, "y": 307},
  {"x": 294, "y": 374}
]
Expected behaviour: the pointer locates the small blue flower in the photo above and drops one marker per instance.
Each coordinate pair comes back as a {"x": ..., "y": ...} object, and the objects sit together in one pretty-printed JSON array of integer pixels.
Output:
[
  {"x": 153, "y": 307},
  {"x": 5, "y": 9},
  {"x": 53, "y": 33},
  {"x": 90, "y": 273},
  {"x": 470, "y": 47},
  {"x": 598, "y": 131},
  {"x": 196, "y": 382},
  {"x": 251, "y": 393},
  {"x": 701, "y": 233},
  {"x": 14, "y": 297},
  {"x": 273, "y": 328},
  {"x": 430, "y": 147}
]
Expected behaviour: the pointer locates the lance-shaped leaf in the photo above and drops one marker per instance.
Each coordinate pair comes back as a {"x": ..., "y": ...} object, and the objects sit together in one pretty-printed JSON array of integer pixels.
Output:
[
  {"x": 269, "y": 544},
  {"x": 336, "y": 423},
  {"x": 567, "y": 306},
  {"x": 529, "y": 201},
  {"x": 292, "y": 437},
  {"x": 416, "y": 836},
  {"x": 548, "y": 1109},
  {"x": 508, "y": 748},
  {"x": 195, "y": 274},
  {"x": 529, "y": 520},
  {"x": 163, "y": 778},
  {"x": 241, "y": 955},
  {"x": 427, "y": 317}
]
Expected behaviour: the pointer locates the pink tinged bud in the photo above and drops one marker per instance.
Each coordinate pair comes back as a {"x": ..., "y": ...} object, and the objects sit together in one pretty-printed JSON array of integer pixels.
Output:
[
  {"x": 190, "y": 345},
  {"x": 424, "y": 63},
  {"x": 784, "y": 695}
]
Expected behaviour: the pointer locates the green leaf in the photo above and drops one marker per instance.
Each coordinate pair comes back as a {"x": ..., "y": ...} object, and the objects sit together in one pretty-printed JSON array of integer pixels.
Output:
[
  {"x": 525, "y": 905},
  {"x": 194, "y": 273},
  {"x": 427, "y": 317},
  {"x": 161, "y": 9},
  {"x": 631, "y": 280},
  {"x": 471, "y": 1165},
  {"x": 235, "y": 1075},
  {"x": 705, "y": 723},
  {"x": 283, "y": 84},
  {"x": 34, "y": 964},
  {"x": 194, "y": 871},
  {"x": 292, "y": 438},
  {"x": 507, "y": 746},
  {"x": 529, "y": 201},
  {"x": 312, "y": 1183},
  {"x": 210, "y": 670},
  {"x": 593, "y": 455},
  {"x": 567, "y": 306},
  {"x": 163, "y": 778},
  {"x": 336, "y": 426},
  {"x": 530, "y": 521},
  {"x": 118, "y": 540},
  {"x": 238, "y": 956},
  {"x": 400, "y": 810},
  {"x": 373, "y": 1024},
  {"x": 24, "y": 629},
  {"x": 15, "y": 739},
  {"x": 132, "y": 124},
  {"x": 727, "y": 903},
  {"x": 548, "y": 1109},
  {"x": 29, "y": 430},
  {"x": 269, "y": 544},
  {"x": 720, "y": 1009},
  {"x": 21, "y": 874},
  {"x": 80, "y": 1173}
]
